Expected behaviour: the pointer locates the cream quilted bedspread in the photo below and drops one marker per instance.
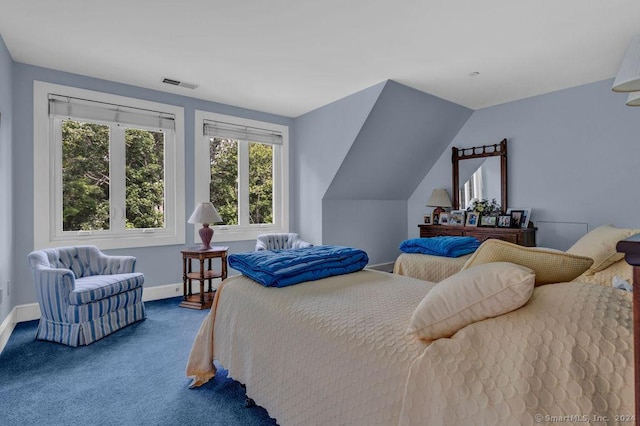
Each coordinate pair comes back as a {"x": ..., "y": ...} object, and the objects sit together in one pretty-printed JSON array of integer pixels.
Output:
[
  {"x": 335, "y": 352},
  {"x": 428, "y": 268}
]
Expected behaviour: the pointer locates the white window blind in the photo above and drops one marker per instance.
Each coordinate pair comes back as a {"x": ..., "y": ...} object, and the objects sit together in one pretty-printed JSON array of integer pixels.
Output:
[
  {"x": 82, "y": 109},
  {"x": 244, "y": 133}
]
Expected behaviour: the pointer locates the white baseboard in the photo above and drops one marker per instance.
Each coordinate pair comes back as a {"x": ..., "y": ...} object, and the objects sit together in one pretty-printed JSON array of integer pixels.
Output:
[{"x": 31, "y": 311}]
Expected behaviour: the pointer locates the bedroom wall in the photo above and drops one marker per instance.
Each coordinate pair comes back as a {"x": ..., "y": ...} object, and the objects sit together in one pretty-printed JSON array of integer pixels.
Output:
[
  {"x": 573, "y": 158},
  {"x": 402, "y": 135},
  {"x": 161, "y": 265},
  {"x": 323, "y": 138},
  {"x": 6, "y": 181}
]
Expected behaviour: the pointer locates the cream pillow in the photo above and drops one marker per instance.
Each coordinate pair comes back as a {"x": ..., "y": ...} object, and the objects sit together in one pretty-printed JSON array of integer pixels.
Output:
[
  {"x": 469, "y": 296},
  {"x": 600, "y": 245},
  {"x": 550, "y": 266}
]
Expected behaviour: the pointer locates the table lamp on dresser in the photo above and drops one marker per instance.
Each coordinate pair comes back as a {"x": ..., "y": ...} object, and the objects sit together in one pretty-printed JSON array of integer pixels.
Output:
[{"x": 439, "y": 199}]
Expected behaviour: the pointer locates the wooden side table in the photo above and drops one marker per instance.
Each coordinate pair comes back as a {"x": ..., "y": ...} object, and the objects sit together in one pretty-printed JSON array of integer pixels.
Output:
[{"x": 204, "y": 299}]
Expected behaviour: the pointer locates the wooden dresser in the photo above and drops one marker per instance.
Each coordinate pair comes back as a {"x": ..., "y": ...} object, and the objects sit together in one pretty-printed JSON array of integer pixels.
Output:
[{"x": 521, "y": 236}]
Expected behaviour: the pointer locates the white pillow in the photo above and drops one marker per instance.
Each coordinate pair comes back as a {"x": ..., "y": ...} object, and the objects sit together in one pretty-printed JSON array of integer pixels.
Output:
[{"x": 474, "y": 294}]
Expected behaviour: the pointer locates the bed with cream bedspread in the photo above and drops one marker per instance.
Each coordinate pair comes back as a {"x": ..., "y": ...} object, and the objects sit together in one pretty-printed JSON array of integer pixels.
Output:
[
  {"x": 427, "y": 267},
  {"x": 335, "y": 351}
]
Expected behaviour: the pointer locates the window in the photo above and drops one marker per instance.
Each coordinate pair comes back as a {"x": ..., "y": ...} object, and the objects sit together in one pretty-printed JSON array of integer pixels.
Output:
[
  {"x": 241, "y": 166},
  {"x": 106, "y": 170}
]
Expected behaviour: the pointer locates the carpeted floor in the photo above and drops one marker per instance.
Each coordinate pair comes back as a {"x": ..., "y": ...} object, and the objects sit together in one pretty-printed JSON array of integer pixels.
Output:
[{"x": 132, "y": 377}]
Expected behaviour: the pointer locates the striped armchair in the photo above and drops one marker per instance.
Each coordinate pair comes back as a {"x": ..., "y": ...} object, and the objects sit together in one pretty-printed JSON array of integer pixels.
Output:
[
  {"x": 279, "y": 241},
  {"x": 84, "y": 294}
]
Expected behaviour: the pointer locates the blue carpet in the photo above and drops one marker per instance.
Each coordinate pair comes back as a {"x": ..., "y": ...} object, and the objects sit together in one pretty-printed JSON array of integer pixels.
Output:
[{"x": 132, "y": 377}]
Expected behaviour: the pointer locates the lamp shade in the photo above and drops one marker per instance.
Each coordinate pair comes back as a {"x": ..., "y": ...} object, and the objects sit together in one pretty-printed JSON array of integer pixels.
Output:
[
  {"x": 633, "y": 99},
  {"x": 205, "y": 213},
  {"x": 628, "y": 78},
  {"x": 439, "y": 198}
]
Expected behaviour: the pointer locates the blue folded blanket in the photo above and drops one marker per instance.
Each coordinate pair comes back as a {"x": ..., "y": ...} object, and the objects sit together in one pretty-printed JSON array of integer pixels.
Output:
[
  {"x": 281, "y": 268},
  {"x": 441, "y": 246}
]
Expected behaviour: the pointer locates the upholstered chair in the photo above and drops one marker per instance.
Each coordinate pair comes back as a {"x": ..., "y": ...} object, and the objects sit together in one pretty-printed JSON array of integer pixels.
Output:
[
  {"x": 280, "y": 241},
  {"x": 84, "y": 294}
]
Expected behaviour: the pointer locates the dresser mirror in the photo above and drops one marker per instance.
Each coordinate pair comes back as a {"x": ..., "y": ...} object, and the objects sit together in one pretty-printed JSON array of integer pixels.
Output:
[{"x": 480, "y": 172}]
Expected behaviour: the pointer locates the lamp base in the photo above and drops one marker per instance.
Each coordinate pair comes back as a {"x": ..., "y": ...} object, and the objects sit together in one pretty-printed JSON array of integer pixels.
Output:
[
  {"x": 206, "y": 234},
  {"x": 438, "y": 210}
]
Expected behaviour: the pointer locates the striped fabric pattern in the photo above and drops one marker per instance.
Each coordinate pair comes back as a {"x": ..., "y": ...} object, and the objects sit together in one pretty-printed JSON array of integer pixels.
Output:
[
  {"x": 97, "y": 287},
  {"x": 84, "y": 294},
  {"x": 85, "y": 333},
  {"x": 280, "y": 241}
]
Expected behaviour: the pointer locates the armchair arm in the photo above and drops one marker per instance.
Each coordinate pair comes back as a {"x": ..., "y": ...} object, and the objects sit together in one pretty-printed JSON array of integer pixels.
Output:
[
  {"x": 52, "y": 289},
  {"x": 301, "y": 244},
  {"x": 117, "y": 264}
]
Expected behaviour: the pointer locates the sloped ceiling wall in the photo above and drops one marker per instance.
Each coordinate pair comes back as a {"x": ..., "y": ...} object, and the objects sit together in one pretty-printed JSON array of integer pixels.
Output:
[{"x": 402, "y": 137}]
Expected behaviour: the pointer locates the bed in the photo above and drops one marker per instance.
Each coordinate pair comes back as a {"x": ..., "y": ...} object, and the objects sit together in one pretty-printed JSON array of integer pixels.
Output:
[
  {"x": 338, "y": 351},
  {"x": 599, "y": 244}
]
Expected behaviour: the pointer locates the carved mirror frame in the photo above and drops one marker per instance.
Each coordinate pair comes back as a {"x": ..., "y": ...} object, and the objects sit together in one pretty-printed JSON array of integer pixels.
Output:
[{"x": 458, "y": 154}]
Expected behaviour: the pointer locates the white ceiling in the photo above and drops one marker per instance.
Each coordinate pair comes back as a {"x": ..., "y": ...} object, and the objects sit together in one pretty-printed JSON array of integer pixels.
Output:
[{"x": 289, "y": 57}]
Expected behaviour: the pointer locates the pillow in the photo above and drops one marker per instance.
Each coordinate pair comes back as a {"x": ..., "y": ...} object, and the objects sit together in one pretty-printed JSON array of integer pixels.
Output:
[
  {"x": 600, "y": 245},
  {"x": 550, "y": 266},
  {"x": 469, "y": 296}
]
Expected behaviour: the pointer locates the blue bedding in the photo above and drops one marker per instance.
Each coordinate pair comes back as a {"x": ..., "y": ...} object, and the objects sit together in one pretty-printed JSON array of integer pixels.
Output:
[
  {"x": 441, "y": 246},
  {"x": 281, "y": 268}
]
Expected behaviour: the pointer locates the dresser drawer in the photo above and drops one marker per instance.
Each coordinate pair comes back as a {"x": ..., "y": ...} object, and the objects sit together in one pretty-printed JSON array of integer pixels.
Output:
[
  {"x": 482, "y": 237},
  {"x": 426, "y": 232},
  {"x": 523, "y": 237}
]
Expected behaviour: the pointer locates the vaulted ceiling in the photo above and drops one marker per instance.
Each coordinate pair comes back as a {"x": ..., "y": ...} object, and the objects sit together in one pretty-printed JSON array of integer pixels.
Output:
[{"x": 289, "y": 57}]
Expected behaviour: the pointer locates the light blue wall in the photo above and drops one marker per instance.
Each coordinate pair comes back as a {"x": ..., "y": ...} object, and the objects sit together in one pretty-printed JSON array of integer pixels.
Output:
[
  {"x": 6, "y": 168},
  {"x": 323, "y": 138},
  {"x": 161, "y": 265},
  {"x": 574, "y": 158},
  {"x": 403, "y": 134}
]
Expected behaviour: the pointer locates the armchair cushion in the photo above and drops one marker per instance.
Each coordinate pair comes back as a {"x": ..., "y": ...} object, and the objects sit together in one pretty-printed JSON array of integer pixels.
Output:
[{"x": 98, "y": 287}]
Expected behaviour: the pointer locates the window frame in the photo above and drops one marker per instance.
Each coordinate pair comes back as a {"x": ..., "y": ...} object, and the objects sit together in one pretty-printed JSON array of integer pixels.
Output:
[
  {"x": 47, "y": 176},
  {"x": 202, "y": 173}
]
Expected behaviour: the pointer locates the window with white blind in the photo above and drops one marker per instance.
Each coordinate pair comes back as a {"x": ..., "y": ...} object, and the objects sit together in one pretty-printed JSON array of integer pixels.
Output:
[
  {"x": 108, "y": 170},
  {"x": 241, "y": 166}
]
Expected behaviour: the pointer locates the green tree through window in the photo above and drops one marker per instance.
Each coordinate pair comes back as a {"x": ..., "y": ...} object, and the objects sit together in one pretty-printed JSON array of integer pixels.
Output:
[
  {"x": 86, "y": 177},
  {"x": 223, "y": 187}
]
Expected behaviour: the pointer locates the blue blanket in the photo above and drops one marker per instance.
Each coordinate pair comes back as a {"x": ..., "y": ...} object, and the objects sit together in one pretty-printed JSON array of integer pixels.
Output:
[
  {"x": 281, "y": 268},
  {"x": 441, "y": 246}
]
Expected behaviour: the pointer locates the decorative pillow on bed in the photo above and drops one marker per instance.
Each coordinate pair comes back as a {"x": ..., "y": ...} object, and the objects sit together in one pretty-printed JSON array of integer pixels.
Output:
[
  {"x": 469, "y": 296},
  {"x": 600, "y": 245},
  {"x": 550, "y": 266}
]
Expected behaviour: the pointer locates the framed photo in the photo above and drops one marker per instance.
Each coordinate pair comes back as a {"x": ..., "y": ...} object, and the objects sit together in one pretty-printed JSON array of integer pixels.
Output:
[
  {"x": 435, "y": 218},
  {"x": 516, "y": 218},
  {"x": 444, "y": 218},
  {"x": 525, "y": 217},
  {"x": 427, "y": 219},
  {"x": 456, "y": 217},
  {"x": 486, "y": 220},
  {"x": 505, "y": 221},
  {"x": 472, "y": 219}
]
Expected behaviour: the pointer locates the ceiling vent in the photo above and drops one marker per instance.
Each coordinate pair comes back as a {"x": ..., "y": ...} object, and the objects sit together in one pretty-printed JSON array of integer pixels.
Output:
[{"x": 179, "y": 83}]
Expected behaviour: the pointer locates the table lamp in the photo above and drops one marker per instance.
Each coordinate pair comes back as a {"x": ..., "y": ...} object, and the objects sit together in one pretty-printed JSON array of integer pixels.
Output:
[
  {"x": 439, "y": 199},
  {"x": 205, "y": 214}
]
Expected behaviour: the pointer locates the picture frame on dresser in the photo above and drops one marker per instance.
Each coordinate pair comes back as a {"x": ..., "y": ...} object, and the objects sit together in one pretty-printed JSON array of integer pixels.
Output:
[
  {"x": 525, "y": 216},
  {"x": 435, "y": 218},
  {"x": 472, "y": 219},
  {"x": 488, "y": 221},
  {"x": 505, "y": 221},
  {"x": 444, "y": 218},
  {"x": 456, "y": 218},
  {"x": 427, "y": 219}
]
